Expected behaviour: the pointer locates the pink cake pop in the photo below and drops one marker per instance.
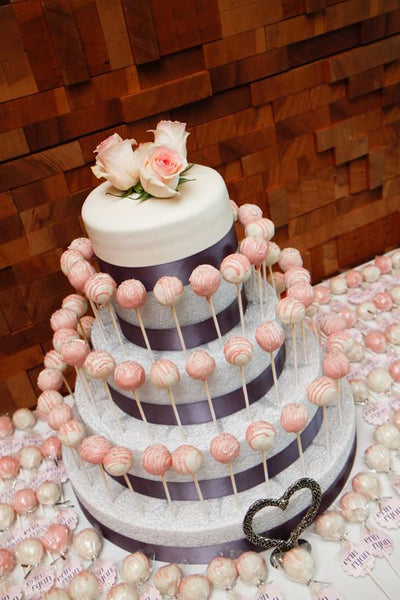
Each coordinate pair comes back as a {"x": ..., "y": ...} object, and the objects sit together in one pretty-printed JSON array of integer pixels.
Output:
[
  {"x": 6, "y": 427},
  {"x": 46, "y": 401},
  {"x": 63, "y": 318},
  {"x": 79, "y": 273},
  {"x": 291, "y": 311},
  {"x": 77, "y": 303},
  {"x": 71, "y": 435},
  {"x": 59, "y": 415},
  {"x": 260, "y": 436},
  {"x": 336, "y": 366},
  {"x": 353, "y": 278},
  {"x": 168, "y": 291},
  {"x": 62, "y": 336},
  {"x": 84, "y": 246},
  {"x": 322, "y": 392},
  {"x": 331, "y": 323},
  {"x": 339, "y": 342},
  {"x": 99, "y": 364},
  {"x": 205, "y": 280},
  {"x": 368, "y": 484},
  {"x": 51, "y": 448},
  {"x": 255, "y": 249},
  {"x": 84, "y": 586},
  {"x": 383, "y": 301},
  {"x": 194, "y": 587},
  {"x": 348, "y": 315},
  {"x": 277, "y": 280},
  {"x": 7, "y": 562},
  {"x": 9, "y": 467},
  {"x": 130, "y": 376},
  {"x": 394, "y": 370},
  {"x": 290, "y": 258},
  {"x": 164, "y": 374},
  {"x": 49, "y": 379},
  {"x": 294, "y": 417},
  {"x": 234, "y": 209},
  {"x": 222, "y": 573},
  {"x": 304, "y": 293},
  {"x": 262, "y": 228},
  {"x": 85, "y": 327},
  {"x": 54, "y": 360},
  {"x": 25, "y": 501},
  {"x": 238, "y": 352},
  {"x": 157, "y": 460},
  {"x": 187, "y": 460},
  {"x": 74, "y": 352},
  {"x": 122, "y": 591},
  {"x": 296, "y": 275},
  {"x": 322, "y": 294},
  {"x": 69, "y": 258},
  {"x": 396, "y": 419},
  {"x": 225, "y": 448},
  {"x": 392, "y": 333},
  {"x": 236, "y": 268},
  {"x": 93, "y": 449},
  {"x": 375, "y": 341},
  {"x": 118, "y": 462},
  {"x": 56, "y": 538},
  {"x": 131, "y": 294},
  {"x": 270, "y": 337},
  {"x": 201, "y": 365},
  {"x": 248, "y": 213}
]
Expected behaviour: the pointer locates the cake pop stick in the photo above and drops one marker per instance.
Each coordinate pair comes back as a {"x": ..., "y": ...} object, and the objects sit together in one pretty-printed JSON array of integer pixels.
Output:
[
  {"x": 131, "y": 294},
  {"x": 187, "y": 460},
  {"x": 293, "y": 419},
  {"x": 51, "y": 449},
  {"x": 273, "y": 253},
  {"x": 201, "y": 365},
  {"x": 118, "y": 462},
  {"x": 75, "y": 352},
  {"x": 255, "y": 249},
  {"x": 85, "y": 328},
  {"x": 93, "y": 449},
  {"x": 100, "y": 365},
  {"x": 54, "y": 360},
  {"x": 130, "y": 376},
  {"x": 303, "y": 292},
  {"x": 336, "y": 366},
  {"x": 225, "y": 448},
  {"x": 239, "y": 351},
  {"x": 290, "y": 311},
  {"x": 164, "y": 374},
  {"x": 236, "y": 268},
  {"x": 157, "y": 460},
  {"x": 205, "y": 280},
  {"x": 277, "y": 280},
  {"x": 100, "y": 289},
  {"x": 260, "y": 436},
  {"x": 322, "y": 392},
  {"x": 270, "y": 337},
  {"x": 168, "y": 291},
  {"x": 262, "y": 228}
]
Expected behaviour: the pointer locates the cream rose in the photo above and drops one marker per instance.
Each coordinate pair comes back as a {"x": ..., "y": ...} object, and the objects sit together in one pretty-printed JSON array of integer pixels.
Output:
[
  {"x": 160, "y": 168},
  {"x": 116, "y": 162},
  {"x": 171, "y": 134}
]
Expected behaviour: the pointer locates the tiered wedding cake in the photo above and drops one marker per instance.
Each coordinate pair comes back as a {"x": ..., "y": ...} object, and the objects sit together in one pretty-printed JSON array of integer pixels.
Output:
[{"x": 171, "y": 236}]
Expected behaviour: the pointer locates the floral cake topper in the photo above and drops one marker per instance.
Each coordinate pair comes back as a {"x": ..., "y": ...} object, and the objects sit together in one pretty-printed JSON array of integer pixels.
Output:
[{"x": 152, "y": 169}]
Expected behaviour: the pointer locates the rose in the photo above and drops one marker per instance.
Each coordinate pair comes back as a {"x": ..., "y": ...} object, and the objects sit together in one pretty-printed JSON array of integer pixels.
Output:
[
  {"x": 160, "y": 168},
  {"x": 116, "y": 161},
  {"x": 171, "y": 134}
]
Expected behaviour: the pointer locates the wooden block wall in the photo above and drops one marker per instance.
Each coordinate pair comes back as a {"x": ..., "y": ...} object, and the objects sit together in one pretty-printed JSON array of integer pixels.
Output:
[{"x": 295, "y": 102}]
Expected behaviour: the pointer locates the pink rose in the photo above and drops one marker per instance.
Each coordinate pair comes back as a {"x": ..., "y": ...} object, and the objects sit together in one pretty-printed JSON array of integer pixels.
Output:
[
  {"x": 116, "y": 162},
  {"x": 160, "y": 168},
  {"x": 171, "y": 134}
]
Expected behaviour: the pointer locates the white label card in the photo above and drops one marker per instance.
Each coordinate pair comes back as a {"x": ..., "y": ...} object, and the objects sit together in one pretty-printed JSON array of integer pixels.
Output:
[
  {"x": 357, "y": 560},
  {"x": 387, "y": 515}
]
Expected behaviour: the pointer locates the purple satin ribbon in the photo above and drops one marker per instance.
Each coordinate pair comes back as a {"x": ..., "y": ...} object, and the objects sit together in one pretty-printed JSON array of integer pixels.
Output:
[
  {"x": 222, "y": 486},
  {"x": 182, "y": 268},
  {"x": 199, "y": 412},
  {"x": 203, "y": 554},
  {"x": 194, "y": 335}
]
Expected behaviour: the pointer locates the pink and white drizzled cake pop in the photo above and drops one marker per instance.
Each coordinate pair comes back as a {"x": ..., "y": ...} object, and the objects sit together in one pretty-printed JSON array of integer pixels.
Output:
[
  {"x": 77, "y": 303},
  {"x": 225, "y": 448},
  {"x": 118, "y": 462},
  {"x": 293, "y": 419},
  {"x": 238, "y": 352},
  {"x": 388, "y": 435},
  {"x": 234, "y": 209},
  {"x": 99, "y": 364},
  {"x": 72, "y": 433},
  {"x": 322, "y": 294},
  {"x": 187, "y": 460},
  {"x": 252, "y": 568},
  {"x": 6, "y": 427},
  {"x": 85, "y": 327},
  {"x": 79, "y": 273},
  {"x": 51, "y": 448},
  {"x": 368, "y": 484},
  {"x": 68, "y": 260},
  {"x": 298, "y": 565},
  {"x": 58, "y": 415},
  {"x": 122, "y": 591},
  {"x": 164, "y": 374},
  {"x": 205, "y": 281},
  {"x": 354, "y": 507},
  {"x": 342, "y": 341},
  {"x": 260, "y": 436},
  {"x": 353, "y": 278},
  {"x": 336, "y": 366},
  {"x": 194, "y": 587},
  {"x": 157, "y": 460},
  {"x": 168, "y": 291},
  {"x": 262, "y": 228},
  {"x": 270, "y": 337},
  {"x": 331, "y": 323},
  {"x": 62, "y": 336},
  {"x": 131, "y": 295},
  {"x": 248, "y": 213},
  {"x": 323, "y": 392},
  {"x": 49, "y": 379},
  {"x": 200, "y": 365},
  {"x": 291, "y": 311},
  {"x": 255, "y": 249},
  {"x": 236, "y": 269},
  {"x": 383, "y": 301},
  {"x": 63, "y": 318},
  {"x": 167, "y": 580},
  {"x": 93, "y": 449},
  {"x": 290, "y": 258},
  {"x": 84, "y": 246},
  {"x": 375, "y": 341},
  {"x": 74, "y": 353},
  {"x": 135, "y": 568},
  {"x": 378, "y": 458},
  {"x": 222, "y": 573},
  {"x": 54, "y": 360},
  {"x": 130, "y": 376},
  {"x": 9, "y": 467},
  {"x": 297, "y": 275}
]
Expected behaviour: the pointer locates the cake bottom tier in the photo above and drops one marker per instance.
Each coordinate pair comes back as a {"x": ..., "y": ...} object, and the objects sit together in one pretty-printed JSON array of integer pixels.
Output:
[{"x": 195, "y": 532}]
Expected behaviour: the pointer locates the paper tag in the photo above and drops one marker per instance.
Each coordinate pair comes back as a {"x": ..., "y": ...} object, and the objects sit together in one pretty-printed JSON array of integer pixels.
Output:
[
  {"x": 328, "y": 594},
  {"x": 395, "y": 481},
  {"x": 106, "y": 574},
  {"x": 68, "y": 572},
  {"x": 51, "y": 472},
  {"x": 10, "y": 446},
  {"x": 67, "y": 517},
  {"x": 387, "y": 515},
  {"x": 151, "y": 593},
  {"x": 36, "y": 528},
  {"x": 378, "y": 542},
  {"x": 357, "y": 560},
  {"x": 376, "y": 414},
  {"x": 32, "y": 439},
  {"x": 11, "y": 540},
  {"x": 395, "y": 402},
  {"x": 269, "y": 592},
  {"x": 10, "y": 593},
  {"x": 39, "y": 581}
]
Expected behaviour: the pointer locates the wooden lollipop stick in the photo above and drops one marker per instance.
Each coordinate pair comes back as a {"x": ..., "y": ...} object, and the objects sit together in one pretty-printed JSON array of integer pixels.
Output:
[
  {"x": 134, "y": 495},
  {"x": 98, "y": 319},
  {"x": 232, "y": 476},
  {"x": 274, "y": 375},
  {"x": 296, "y": 374},
  {"x": 265, "y": 466},
  {"x": 113, "y": 408},
  {"x": 198, "y": 489},
  {"x": 303, "y": 338},
  {"x": 214, "y": 316},
  {"x": 240, "y": 303},
  {"x": 68, "y": 388},
  {"x": 260, "y": 292},
  {"x": 104, "y": 478},
  {"x": 81, "y": 330},
  {"x": 392, "y": 565},
  {"x": 301, "y": 455},
  {"x": 246, "y": 397},
  {"x": 84, "y": 381},
  {"x": 325, "y": 418},
  {"x": 117, "y": 329},
  {"x": 166, "y": 490},
  {"x": 173, "y": 404},
  {"x": 210, "y": 404},
  {"x": 380, "y": 586},
  {"x": 340, "y": 399},
  {"x": 143, "y": 330},
  {"x": 264, "y": 270},
  {"x": 271, "y": 274},
  {"x": 139, "y": 405},
  {"x": 178, "y": 328}
]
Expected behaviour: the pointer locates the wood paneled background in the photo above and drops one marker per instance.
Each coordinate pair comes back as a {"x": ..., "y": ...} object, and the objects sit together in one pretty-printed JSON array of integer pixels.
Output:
[{"x": 295, "y": 102}]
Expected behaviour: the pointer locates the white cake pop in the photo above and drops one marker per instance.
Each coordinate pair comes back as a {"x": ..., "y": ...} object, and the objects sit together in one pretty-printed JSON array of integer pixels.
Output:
[
  {"x": 167, "y": 580},
  {"x": 370, "y": 273},
  {"x": 366, "y": 311},
  {"x": 354, "y": 507},
  {"x": 338, "y": 285},
  {"x": 57, "y": 594},
  {"x": 7, "y": 516},
  {"x": 23, "y": 418},
  {"x": 388, "y": 435},
  {"x": 378, "y": 458},
  {"x": 367, "y": 483},
  {"x": 262, "y": 228},
  {"x": 194, "y": 587},
  {"x": 298, "y": 564},
  {"x": 252, "y": 568},
  {"x": 30, "y": 457},
  {"x": 379, "y": 379},
  {"x": 48, "y": 493},
  {"x": 331, "y": 525},
  {"x": 135, "y": 568},
  {"x": 222, "y": 572},
  {"x": 122, "y": 591},
  {"x": 248, "y": 213},
  {"x": 84, "y": 586},
  {"x": 88, "y": 544},
  {"x": 29, "y": 552}
]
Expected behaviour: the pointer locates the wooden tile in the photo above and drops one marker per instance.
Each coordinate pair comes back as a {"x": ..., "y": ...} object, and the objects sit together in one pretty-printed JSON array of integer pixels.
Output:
[
  {"x": 354, "y": 148},
  {"x": 234, "y": 48},
  {"x": 324, "y": 45},
  {"x": 185, "y": 21},
  {"x": 12, "y": 144},
  {"x": 365, "y": 82},
  {"x": 141, "y": 30},
  {"x": 249, "y": 16},
  {"x": 324, "y": 260},
  {"x": 277, "y": 203},
  {"x": 91, "y": 35},
  {"x": 20, "y": 112},
  {"x": 164, "y": 24},
  {"x": 113, "y": 24},
  {"x": 292, "y": 105},
  {"x": 21, "y": 390},
  {"x": 294, "y": 30},
  {"x": 20, "y": 361},
  {"x": 208, "y": 20},
  {"x": 358, "y": 175},
  {"x": 376, "y": 167},
  {"x": 171, "y": 67},
  {"x": 225, "y": 103}
]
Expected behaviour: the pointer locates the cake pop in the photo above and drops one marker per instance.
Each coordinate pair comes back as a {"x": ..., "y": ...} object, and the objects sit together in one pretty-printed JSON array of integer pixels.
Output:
[
  {"x": 379, "y": 380},
  {"x": 388, "y": 435},
  {"x": 168, "y": 291},
  {"x": 378, "y": 458},
  {"x": 59, "y": 414},
  {"x": 236, "y": 269},
  {"x": 368, "y": 484},
  {"x": 273, "y": 253},
  {"x": 354, "y": 507},
  {"x": 135, "y": 568},
  {"x": 187, "y": 460},
  {"x": 277, "y": 280},
  {"x": 252, "y": 568},
  {"x": 88, "y": 544},
  {"x": 395, "y": 259},
  {"x": 322, "y": 294},
  {"x": 93, "y": 449},
  {"x": 225, "y": 448},
  {"x": 118, "y": 462},
  {"x": 239, "y": 351},
  {"x": 122, "y": 591},
  {"x": 331, "y": 526},
  {"x": 25, "y": 501},
  {"x": 296, "y": 275},
  {"x": 84, "y": 246},
  {"x": 353, "y": 278},
  {"x": 57, "y": 594},
  {"x": 56, "y": 538},
  {"x": 69, "y": 258},
  {"x": 360, "y": 391},
  {"x": 370, "y": 273},
  {"x": 194, "y": 587},
  {"x": 9, "y": 467},
  {"x": 336, "y": 366},
  {"x": 30, "y": 457},
  {"x": 79, "y": 273},
  {"x": 130, "y": 376},
  {"x": 7, "y": 516},
  {"x": 51, "y": 448},
  {"x": 260, "y": 436},
  {"x": 270, "y": 337},
  {"x": 29, "y": 552},
  {"x": 84, "y": 586},
  {"x": 99, "y": 364},
  {"x": 248, "y": 213},
  {"x": 63, "y": 318},
  {"x": 205, "y": 281},
  {"x": 201, "y": 365},
  {"x": 63, "y": 335},
  {"x": 222, "y": 572},
  {"x": 255, "y": 249},
  {"x": 339, "y": 342},
  {"x": 366, "y": 311},
  {"x": 131, "y": 294},
  {"x": 49, "y": 379},
  {"x": 164, "y": 374},
  {"x": 74, "y": 352},
  {"x": 46, "y": 401},
  {"x": 383, "y": 301},
  {"x": 48, "y": 493},
  {"x": 167, "y": 580},
  {"x": 338, "y": 285},
  {"x": 261, "y": 228},
  {"x": 290, "y": 311},
  {"x": 375, "y": 341},
  {"x": 157, "y": 460},
  {"x": 7, "y": 562},
  {"x": 293, "y": 419},
  {"x": 76, "y": 303},
  {"x": 290, "y": 258}
]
